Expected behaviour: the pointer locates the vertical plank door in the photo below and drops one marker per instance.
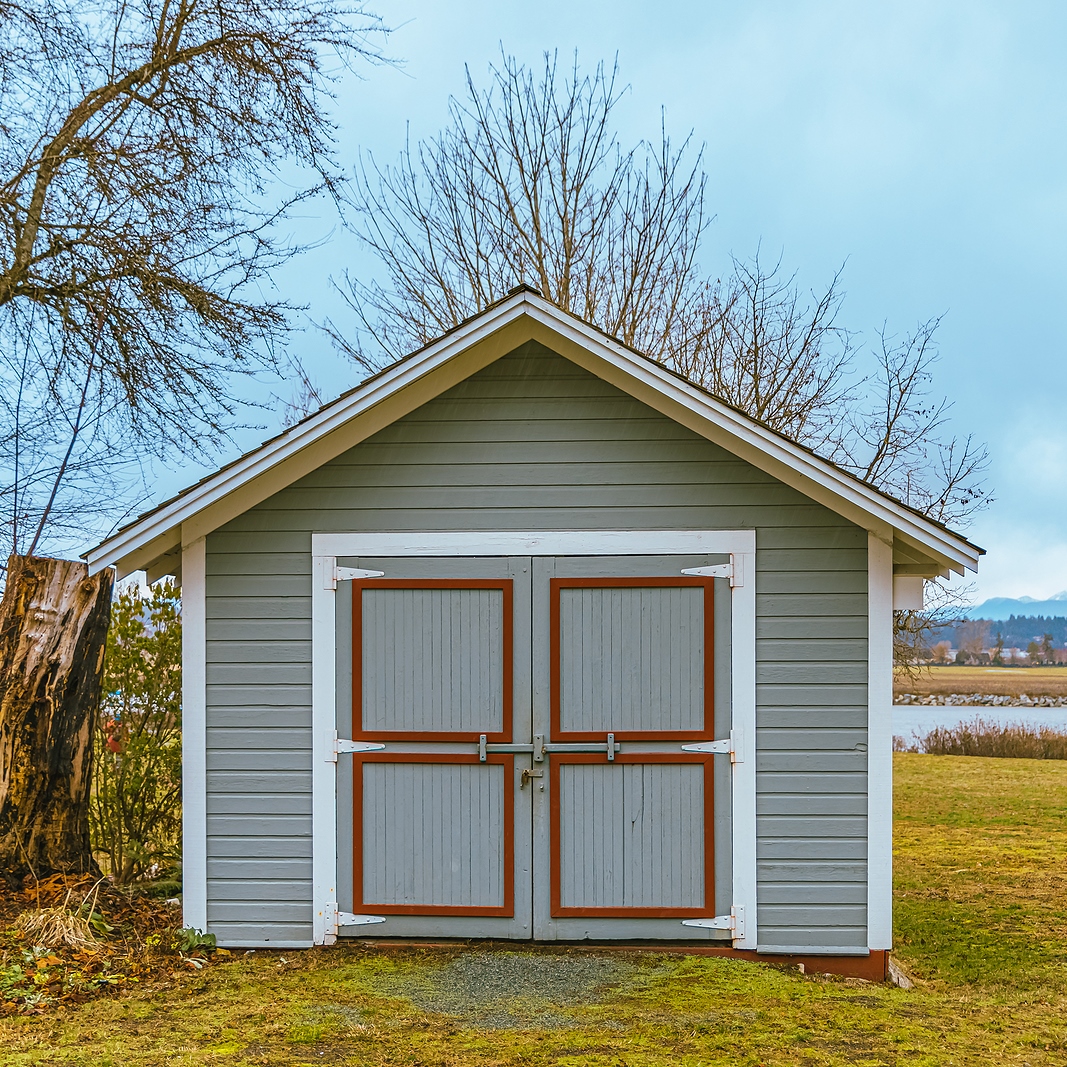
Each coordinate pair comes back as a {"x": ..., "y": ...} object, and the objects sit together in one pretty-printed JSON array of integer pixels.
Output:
[
  {"x": 439, "y": 827},
  {"x": 626, "y": 664}
]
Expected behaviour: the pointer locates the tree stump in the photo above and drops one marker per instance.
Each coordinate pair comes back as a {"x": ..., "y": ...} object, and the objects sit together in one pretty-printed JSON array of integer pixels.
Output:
[{"x": 53, "y": 632}]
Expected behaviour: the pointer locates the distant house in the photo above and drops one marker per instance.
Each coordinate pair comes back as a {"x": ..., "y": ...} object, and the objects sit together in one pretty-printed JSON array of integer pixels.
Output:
[{"x": 528, "y": 637}]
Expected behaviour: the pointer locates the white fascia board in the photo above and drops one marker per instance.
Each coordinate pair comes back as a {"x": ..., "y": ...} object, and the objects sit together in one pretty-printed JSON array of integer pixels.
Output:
[
  {"x": 280, "y": 462},
  {"x": 718, "y": 422}
]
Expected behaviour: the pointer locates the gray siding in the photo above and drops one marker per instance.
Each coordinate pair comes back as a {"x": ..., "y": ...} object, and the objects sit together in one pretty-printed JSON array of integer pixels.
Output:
[{"x": 534, "y": 442}]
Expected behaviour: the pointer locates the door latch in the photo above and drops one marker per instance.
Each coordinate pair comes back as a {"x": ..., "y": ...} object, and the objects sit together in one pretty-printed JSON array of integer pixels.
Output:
[{"x": 528, "y": 776}]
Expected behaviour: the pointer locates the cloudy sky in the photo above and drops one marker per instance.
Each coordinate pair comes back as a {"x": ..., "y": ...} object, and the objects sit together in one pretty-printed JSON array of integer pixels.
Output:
[{"x": 922, "y": 145}]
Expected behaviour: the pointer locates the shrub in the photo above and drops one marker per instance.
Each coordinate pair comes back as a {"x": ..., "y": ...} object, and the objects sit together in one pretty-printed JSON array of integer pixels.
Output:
[
  {"x": 981, "y": 738},
  {"x": 135, "y": 808}
]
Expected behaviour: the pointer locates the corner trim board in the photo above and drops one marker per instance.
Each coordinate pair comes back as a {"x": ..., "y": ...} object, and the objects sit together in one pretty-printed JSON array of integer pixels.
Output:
[
  {"x": 323, "y": 757},
  {"x": 194, "y": 734},
  {"x": 879, "y": 744}
]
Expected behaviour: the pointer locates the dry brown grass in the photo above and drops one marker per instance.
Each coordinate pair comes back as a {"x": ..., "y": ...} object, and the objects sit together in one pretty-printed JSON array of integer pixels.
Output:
[
  {"x": 988, "y": 681},
  {"x": 55, "y": 928},
  {"x": 61, "y": 925},
  {"x": 981, "y": 738}
]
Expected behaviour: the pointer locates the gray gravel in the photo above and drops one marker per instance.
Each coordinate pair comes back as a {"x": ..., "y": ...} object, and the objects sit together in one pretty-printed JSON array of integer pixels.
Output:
[{"x": 505, "y": 990}]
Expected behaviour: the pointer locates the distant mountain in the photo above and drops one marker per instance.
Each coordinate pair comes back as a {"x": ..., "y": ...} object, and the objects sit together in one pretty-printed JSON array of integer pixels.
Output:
[{"x": 1003, "y": 607}]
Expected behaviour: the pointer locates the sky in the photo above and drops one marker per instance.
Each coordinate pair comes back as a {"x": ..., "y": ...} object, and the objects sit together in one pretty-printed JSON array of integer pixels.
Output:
[{"x": 921, "y": 145}]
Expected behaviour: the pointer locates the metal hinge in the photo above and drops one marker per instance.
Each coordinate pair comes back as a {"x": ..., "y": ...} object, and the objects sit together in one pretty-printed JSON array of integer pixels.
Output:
[
  {"x": 341, "y": 744},
  {"x": 732, "y": 570},
  {"x": 728, "y": 745},
  {"x": 734, "y": 922},
  {"x": 349, "y": 574},
  {"x": 335, "y": 918},
  {"x": 347, "y": 918}
]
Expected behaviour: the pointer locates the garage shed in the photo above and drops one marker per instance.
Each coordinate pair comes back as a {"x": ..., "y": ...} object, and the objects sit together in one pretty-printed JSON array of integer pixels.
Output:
[{"x": 528, "y": 637}]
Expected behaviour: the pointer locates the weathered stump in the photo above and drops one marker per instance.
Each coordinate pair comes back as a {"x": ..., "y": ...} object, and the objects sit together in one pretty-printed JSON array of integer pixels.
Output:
[{"x": 53, "y": 631}]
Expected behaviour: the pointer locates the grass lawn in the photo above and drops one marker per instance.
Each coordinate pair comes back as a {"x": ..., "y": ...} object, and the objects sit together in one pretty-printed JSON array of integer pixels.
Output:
[
  {"x": 981, "y": 923},
  {"x": 992, "y": 681}
]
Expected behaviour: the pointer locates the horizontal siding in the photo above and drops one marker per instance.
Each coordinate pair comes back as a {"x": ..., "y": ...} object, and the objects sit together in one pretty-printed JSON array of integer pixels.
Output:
[{"x": 534, "y": 442}]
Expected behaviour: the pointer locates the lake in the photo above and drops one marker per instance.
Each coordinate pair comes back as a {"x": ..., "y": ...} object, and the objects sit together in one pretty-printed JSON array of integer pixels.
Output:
[{"x": 921, "y": 719}]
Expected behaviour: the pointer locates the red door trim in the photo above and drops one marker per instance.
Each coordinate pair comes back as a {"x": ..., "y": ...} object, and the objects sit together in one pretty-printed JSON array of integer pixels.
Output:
[
  {"x": 672, "y": 581},
  {"x": 558, "y": 911},
  {"x": 505, "y": 585},
  {"x": 500, "y": 760}
]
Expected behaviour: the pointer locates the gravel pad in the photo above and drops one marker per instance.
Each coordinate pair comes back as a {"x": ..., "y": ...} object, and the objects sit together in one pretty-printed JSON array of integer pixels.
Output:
[{"x": 505, "y": 990}]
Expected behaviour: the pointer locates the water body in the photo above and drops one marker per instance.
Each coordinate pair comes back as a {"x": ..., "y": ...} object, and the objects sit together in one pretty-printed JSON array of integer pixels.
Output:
[{"x": 921, "y": 719}]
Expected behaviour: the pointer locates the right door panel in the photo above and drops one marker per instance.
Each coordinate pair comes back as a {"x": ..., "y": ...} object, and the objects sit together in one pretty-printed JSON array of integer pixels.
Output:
[{"x": 628, "y": 648}]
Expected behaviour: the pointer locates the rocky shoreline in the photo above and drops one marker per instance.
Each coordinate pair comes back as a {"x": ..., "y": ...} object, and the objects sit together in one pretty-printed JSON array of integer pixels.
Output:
[{"x": 982, "y": 699}]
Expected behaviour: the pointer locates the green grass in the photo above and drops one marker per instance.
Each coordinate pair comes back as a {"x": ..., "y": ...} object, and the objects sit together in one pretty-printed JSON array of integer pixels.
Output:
[{"x": 981, "y": 922}]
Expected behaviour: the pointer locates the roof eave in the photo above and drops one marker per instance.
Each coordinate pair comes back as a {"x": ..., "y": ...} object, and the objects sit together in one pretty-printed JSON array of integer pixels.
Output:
[{"x": 160, "y": 530}]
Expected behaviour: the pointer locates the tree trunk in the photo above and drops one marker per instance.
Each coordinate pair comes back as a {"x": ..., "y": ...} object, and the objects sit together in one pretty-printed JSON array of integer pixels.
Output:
[{"x": 53, "y": 632}]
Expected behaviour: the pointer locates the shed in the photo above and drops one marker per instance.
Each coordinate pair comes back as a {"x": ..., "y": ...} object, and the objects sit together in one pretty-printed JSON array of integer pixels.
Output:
[{"x": 528, "y": 637}]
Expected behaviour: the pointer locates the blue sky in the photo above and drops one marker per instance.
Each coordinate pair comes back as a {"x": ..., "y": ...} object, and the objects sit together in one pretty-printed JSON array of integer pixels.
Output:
[{"x": 922, "y": 143}]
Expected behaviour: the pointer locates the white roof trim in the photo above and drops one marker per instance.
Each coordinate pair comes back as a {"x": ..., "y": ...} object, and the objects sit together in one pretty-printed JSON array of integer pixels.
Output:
[{"x": 791, "y": 463}]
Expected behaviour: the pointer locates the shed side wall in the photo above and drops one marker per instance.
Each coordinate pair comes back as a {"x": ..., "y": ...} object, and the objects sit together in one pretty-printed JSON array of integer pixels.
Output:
[{"x": 535, "y": 443}]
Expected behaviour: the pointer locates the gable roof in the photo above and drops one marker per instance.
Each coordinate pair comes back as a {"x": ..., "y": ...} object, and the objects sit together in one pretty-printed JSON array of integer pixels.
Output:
[{"x": 153, "y": 541}]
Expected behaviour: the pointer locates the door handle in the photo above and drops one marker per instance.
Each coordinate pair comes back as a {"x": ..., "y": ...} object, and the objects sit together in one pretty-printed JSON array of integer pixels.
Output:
[{"x": 528, "y": 776}]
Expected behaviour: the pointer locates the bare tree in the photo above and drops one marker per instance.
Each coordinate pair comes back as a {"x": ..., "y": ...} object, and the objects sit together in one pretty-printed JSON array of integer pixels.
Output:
[
  {"x": 141, "y": 144},
  {"x": 529, "y": 183}
]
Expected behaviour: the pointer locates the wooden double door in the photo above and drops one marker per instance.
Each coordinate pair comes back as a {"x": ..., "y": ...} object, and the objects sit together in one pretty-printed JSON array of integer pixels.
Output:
[{"x": 527, "y": 728}]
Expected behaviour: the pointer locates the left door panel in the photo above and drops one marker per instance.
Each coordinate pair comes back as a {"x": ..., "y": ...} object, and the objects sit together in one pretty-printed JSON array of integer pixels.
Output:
[{"x": 434, "y": 834}]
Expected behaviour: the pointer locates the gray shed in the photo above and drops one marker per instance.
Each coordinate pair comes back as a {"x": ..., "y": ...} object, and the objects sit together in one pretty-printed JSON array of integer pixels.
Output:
[{"x": 527, "y": 637}]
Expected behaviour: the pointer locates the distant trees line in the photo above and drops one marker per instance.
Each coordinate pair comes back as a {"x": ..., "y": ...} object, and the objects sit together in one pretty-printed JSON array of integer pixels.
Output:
[{"x": 1037, "y": 635}]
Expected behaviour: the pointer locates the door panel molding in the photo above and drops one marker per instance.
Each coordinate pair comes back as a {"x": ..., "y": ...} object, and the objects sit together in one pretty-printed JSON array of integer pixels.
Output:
[
  {"x": 707, "y": 728},
  {"x": 559, "y": 909},
  {"x": 506, "y": 587},
  {"x": 507, "y": 907}
]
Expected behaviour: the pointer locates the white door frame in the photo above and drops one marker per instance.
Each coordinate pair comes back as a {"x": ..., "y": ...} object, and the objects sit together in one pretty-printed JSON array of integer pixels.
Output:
[{"x": 325, "y": 549}]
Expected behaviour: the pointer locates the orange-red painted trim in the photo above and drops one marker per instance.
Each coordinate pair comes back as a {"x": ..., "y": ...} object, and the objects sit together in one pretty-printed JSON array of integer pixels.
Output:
[
  {"x": 557, "y": 908},
  {"x": 668, "y": 582},
  {"x": 498, "y": 759},
  {"x": 505, "y": 585}
]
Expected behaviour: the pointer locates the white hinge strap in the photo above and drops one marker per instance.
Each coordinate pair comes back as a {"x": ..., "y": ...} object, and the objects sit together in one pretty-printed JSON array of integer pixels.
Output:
[
  {"x": 335, "y": 918},
  {"x": 332, "y": 574},
  {"x": 735, "y": 922},
  {"x": 355, "y": 574},
  {"x": 342, "y": 744},
  {"x": 728, "y": 745},
  {"x": 734, "y": 570},
  {"x": 347, "y": 918}
]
